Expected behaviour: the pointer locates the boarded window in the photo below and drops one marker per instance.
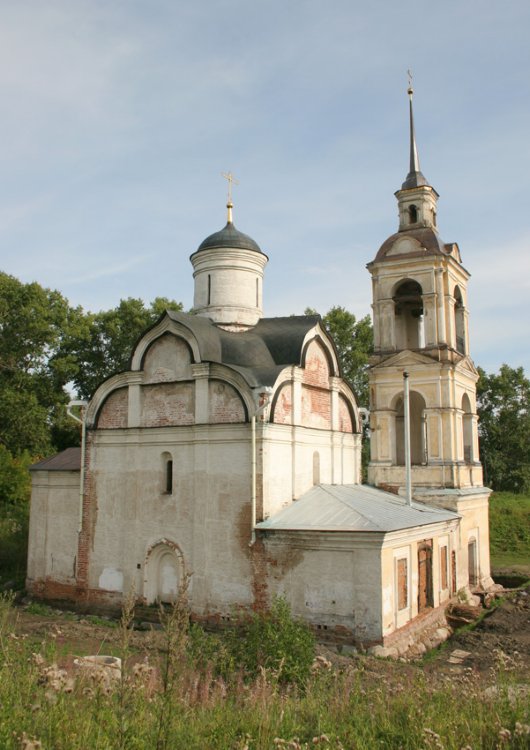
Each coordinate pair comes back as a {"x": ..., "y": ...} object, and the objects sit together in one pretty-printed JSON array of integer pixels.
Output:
[
  {"x": 402, "y": 583},
  {"x": 443, "y": 567},
  {"x": 453, "y": 572}
]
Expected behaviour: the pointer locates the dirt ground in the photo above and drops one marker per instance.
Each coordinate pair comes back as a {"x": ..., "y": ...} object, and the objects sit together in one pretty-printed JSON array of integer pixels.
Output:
[{"x": 500, "y": 638}]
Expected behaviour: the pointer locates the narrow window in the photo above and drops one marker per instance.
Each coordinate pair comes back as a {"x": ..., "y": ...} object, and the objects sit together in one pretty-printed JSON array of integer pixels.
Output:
[
  {"x": 413, "y": 214},
  {"x": 209, "y": 288},
  {"x": 453, "y": 572},
  {"x": 443, "y": 567},
  {"x": 169, "y": 477},
  {"x": 257, "y": 292},
  {"x": 402, "y": 584}
]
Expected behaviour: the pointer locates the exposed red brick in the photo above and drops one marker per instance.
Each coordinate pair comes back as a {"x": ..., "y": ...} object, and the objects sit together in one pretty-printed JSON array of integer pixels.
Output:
[
  {"x": 168, "y": 404},
  {"x": 225, "y": 405},
  {"x": 283, "y": 407},
  {"x": 114, "y": 412}
]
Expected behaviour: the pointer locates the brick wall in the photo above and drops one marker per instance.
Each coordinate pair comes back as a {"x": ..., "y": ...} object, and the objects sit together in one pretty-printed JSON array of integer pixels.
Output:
[
  {"x": 224, "y": 404},
  {"x": 345, "y": 420},
  {"x": 283, "y": 407},
  {"x": 168, "y": 404},
  {"x": 114, "y": 412}
]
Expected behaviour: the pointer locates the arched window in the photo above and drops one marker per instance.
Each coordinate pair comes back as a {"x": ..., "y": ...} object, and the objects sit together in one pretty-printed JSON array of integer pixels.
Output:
[
  {"x": 413, "y": 214},
  {"x": 167, "y": 473},
  {"x": 467, "y": 429},
  {"x": 418, "y": 430},
  {"x": 460, "y": 326},
  {"x": 408, "y": 309}
]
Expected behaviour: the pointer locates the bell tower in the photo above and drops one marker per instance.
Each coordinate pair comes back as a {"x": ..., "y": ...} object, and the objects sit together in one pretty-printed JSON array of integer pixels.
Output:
[{"x": 421, "y": 327}]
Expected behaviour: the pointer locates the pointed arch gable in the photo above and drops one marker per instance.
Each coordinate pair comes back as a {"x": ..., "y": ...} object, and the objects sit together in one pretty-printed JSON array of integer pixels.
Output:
[{"x": 165, "y": 325}]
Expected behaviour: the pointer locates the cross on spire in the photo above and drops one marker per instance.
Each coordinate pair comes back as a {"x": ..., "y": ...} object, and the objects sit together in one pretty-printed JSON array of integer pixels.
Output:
[{"x": 231, "y": 181}]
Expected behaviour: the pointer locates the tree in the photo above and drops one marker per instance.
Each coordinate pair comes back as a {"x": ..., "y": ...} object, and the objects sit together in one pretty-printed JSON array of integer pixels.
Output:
[
  {"x": 105, "y": 344},
  {"x": 34, "y": 323},
  {"x": 503, "y": 407},
  {"x": 354, "y": 342}
]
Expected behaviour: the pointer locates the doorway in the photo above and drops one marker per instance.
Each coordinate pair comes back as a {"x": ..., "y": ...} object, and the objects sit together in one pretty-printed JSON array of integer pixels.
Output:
[{"x": 425, "y": 594}]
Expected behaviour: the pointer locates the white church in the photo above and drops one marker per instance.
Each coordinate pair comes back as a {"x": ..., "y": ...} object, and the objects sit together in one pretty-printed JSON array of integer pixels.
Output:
[{"x": 230, "y": 452}]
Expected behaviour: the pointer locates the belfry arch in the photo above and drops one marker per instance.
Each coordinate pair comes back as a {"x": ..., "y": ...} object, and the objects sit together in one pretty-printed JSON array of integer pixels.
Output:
[{"x": 408, "y": 315}]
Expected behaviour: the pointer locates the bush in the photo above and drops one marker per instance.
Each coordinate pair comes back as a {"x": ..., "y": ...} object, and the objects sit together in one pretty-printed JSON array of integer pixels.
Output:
[{"x": 275, "y": 641}]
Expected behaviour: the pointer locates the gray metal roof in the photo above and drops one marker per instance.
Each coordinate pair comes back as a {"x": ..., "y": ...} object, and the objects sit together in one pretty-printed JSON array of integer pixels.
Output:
[
  {"x": 353, "y": 507},
  {"x": 67, "y": 460},
  {"x": 258, "y": 354},
  {"x": 229, "y": 237}
]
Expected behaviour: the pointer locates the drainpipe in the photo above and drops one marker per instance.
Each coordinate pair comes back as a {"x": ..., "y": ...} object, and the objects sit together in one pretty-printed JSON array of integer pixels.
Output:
[
  {"x": 83, "y": 405},
  {"x": 262, "y": 398},
  {"x": 406, "y": 409}
]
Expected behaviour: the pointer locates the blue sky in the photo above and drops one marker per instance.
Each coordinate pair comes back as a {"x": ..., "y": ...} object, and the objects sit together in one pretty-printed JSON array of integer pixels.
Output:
[{"x": 118, "y": 117}]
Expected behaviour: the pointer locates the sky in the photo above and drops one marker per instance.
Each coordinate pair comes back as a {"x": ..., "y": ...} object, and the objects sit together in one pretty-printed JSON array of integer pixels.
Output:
[{"x": 118, "y": 118}]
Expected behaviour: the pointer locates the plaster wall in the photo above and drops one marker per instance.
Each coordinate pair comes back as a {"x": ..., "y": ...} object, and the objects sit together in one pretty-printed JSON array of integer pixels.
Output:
[
  {"x": 331, "y": 580},
  {"x": 54, "y": 518}
]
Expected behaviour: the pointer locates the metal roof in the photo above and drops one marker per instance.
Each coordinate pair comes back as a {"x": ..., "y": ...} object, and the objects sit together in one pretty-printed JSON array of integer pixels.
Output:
[
  {"x": 260, "y": 353},
  {"x": 229, "y": 237},
  {"x": 67, "y": 460},
  {"x": 353, "y": 507}
]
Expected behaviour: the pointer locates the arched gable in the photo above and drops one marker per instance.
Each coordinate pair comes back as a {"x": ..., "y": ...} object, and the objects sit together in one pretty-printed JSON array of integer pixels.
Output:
[
  {"x": 168, "y": 357},
  {"x": 164, "y": 326}
]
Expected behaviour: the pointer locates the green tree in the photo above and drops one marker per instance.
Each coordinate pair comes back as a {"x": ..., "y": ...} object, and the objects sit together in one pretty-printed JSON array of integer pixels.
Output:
[
  {"x": 104, "y": 346},
  {"x": 34, "y": 324},
  {"x": 354, "y": 341},
  {"x": 503, "y": 407}
]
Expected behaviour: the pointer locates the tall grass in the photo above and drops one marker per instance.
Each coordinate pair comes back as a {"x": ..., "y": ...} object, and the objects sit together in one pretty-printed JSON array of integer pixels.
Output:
[
  {"x": 173, "y": 702},
  {"x": 510, "y": 530}
]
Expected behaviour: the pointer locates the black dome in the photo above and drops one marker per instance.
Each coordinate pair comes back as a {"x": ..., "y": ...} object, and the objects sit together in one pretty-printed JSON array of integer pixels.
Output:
[{"x": 229, "y": 237}]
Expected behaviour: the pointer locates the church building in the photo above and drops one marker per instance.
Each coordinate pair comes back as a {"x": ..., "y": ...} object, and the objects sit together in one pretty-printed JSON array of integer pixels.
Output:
[{"x": 229, "y": 453}]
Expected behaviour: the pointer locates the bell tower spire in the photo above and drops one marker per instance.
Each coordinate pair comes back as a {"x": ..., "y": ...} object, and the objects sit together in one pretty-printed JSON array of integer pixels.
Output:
[
  {"x": 415, "y": 177},
  {"x": 417, "y": 200}
]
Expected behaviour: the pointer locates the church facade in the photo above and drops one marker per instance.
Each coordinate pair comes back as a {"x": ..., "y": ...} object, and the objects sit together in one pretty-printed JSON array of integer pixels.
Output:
[{"x": 229, "y": 453}]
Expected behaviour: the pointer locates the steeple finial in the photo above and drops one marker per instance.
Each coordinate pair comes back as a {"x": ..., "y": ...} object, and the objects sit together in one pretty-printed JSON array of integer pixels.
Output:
[
  {"x": 231, "y": 181},
  {"x": 414, "y": 177}
]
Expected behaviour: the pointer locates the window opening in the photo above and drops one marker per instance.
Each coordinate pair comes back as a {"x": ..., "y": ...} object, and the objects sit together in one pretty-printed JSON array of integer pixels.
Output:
[
  {"x": 209, "y": 288},
  {"x": 316, "y": 468},
  {"x": 408, "y": 316},
  {"x": 413, "y": 214},
  {"x": 459, "y": 322},
  {"x": 418, "y": 430},
  {"x": 169, "y": 477}
]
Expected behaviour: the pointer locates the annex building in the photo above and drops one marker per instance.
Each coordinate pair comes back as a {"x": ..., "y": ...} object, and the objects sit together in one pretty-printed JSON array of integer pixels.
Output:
[{"x": 230, "y": 452}]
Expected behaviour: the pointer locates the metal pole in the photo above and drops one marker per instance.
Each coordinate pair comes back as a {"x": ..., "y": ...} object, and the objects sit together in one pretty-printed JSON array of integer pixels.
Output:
[{"x": 406, "y": 409}]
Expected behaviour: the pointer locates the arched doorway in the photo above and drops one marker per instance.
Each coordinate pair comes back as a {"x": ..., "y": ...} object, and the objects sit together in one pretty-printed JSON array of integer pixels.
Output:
[
  {"x": 425, "y": 594},
  {"x": 163, "y": 573}
]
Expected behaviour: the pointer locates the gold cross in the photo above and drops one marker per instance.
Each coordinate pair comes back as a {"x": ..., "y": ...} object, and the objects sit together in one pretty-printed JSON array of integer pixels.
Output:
[{"x": 231, "y": 180}]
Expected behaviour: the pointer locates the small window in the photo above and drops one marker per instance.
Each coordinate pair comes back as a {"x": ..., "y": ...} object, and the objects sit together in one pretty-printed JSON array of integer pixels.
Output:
[
  {"x": 413, "y": 214},
  {"x": 169, "y": 477},
  {"x": 402, "y": 583},
  {"x": 443, "y": 568},
  {"x": 209, "y": 289}
]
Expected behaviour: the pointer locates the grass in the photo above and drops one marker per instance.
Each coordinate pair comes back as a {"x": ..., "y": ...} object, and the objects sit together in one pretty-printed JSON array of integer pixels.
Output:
[
  {"x": 172, "y": 701},
  {"x": 510, "y": 532}
]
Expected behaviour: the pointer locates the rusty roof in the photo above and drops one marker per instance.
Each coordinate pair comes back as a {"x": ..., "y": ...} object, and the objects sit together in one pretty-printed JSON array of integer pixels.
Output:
[{"x": 67, "y": 460}]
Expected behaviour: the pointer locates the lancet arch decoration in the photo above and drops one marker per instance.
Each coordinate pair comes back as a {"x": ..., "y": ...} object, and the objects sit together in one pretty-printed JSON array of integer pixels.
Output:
[
  {"x": 418, "y": 429},
  {"x": 164, "y": 572}
]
